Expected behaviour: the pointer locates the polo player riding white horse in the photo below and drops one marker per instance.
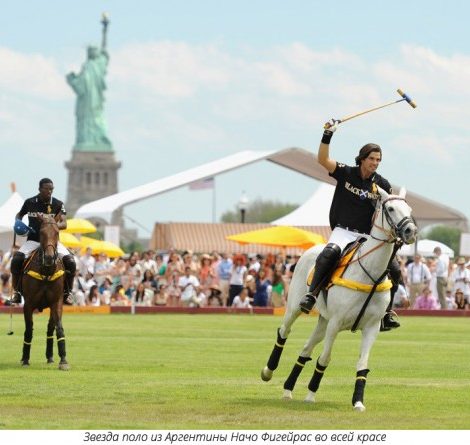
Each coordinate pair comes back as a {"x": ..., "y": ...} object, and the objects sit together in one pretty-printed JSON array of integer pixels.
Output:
[{"x": 350, "y": 215}]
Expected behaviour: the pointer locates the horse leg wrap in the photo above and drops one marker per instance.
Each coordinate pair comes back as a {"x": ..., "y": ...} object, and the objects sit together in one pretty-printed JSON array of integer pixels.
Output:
[
  {"x": 316, "y": 378},
  {"x": 294, "y": 374},
  {"x": 361, "y": 378},
  {"x": 275, "y": 356}
]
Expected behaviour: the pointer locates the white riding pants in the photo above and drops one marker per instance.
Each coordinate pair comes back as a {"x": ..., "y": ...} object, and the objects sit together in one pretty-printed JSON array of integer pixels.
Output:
[
  {"x": 30, "y": 246},
  {"x": 342, "y": 237}
]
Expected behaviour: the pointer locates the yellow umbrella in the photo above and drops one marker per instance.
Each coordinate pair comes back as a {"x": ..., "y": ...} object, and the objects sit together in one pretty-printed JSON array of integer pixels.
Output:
[
  {"x": 279, "y": 236},
  {"x": 77, "y": 225},
  {"x": 98, "y": 246},
  {"x": 69, "y": 240}
]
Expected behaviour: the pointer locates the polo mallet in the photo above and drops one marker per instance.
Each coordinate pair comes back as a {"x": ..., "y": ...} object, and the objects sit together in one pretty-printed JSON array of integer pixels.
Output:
[
  {"x": 347, "y": 118},
  {"x": 10, "y": 331}
]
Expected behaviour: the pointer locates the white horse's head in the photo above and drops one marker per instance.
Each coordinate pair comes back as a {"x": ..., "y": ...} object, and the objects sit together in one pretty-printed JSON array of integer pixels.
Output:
[{"x": 393, "y": 214}]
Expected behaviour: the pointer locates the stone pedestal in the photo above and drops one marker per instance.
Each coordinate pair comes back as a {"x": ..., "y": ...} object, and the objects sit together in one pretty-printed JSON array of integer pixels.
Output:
[{"x": 92, "y": 175}]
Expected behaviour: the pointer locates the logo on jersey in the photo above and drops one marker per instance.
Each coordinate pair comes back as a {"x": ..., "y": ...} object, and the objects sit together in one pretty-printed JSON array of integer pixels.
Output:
[{"x": 362, "y": 194}]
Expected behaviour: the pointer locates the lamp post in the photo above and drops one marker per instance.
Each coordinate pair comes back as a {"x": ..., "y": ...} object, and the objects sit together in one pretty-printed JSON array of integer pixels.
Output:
[{"x": 243, "y": 205}]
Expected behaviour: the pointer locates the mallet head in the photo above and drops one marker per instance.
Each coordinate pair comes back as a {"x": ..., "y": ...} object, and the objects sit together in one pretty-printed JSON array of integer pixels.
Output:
[{"x": 406, "y": 97}]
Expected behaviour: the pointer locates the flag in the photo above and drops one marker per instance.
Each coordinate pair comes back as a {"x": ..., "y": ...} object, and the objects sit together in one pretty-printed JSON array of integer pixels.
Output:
[{"x": 202, "y": 184}]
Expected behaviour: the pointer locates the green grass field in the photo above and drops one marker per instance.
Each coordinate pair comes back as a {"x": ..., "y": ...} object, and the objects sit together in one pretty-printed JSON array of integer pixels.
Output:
[{"x": 203, "y": 372}]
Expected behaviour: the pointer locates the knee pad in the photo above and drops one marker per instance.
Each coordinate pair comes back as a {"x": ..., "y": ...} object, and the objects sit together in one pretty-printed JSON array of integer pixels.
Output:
[
  {"x": 69, "y": 264},
  {"x": 332, "y": 251},
  {"x": 17, "y": 263}
]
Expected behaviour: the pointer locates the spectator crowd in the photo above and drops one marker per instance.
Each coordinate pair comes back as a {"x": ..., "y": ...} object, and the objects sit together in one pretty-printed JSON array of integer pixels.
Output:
[{"x": 185, "y": 279}]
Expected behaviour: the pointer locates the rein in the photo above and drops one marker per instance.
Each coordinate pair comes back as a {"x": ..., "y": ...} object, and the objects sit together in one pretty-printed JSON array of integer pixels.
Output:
[{"x": 392, "y": 237}]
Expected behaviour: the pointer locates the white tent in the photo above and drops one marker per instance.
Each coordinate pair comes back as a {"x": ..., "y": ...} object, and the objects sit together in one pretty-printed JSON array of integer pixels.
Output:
[
  {"x": 425, "y": 211},
  {"x": 314, "y": 212},
  {"x": 425, "y": 248},
  {"x": 8, "y": 211}
]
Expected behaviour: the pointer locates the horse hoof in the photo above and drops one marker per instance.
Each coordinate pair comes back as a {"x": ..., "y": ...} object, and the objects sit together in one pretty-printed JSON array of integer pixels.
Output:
[
  {"x": 287, "y": 394},
  {"x": 359, "y": 407},
  {"x": 50, "y": 361},
  {"x": 310, "y": 397},
  {"x": 266, "y": 374},
  {"x": 64, "y": 366},
  {"x": 25, "y": 363}
]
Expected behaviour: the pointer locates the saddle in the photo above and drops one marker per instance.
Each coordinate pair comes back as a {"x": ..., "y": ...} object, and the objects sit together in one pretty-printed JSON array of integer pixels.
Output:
[{"x": 344, "y": 262}]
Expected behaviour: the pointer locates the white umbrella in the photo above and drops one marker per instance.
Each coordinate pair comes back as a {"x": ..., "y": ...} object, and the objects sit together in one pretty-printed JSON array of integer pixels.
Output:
[{"x": 425, "y": 248}]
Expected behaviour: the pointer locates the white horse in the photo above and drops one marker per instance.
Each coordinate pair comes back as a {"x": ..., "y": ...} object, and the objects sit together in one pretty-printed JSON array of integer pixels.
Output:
[{"x": 392, "y": 225}]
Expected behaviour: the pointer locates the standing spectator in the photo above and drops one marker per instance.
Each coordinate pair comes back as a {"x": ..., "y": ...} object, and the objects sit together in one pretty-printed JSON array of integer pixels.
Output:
[
  {"x": 206, "y": 273},
  {"x": 102, "y": 266},
  {"x": 278, "y": 291},
  {"x": 224, "y": 271},
  {"x": 419, "y": 277},
  {"x": 442, "y": 267},
  {"x": 425, "y": 300},
  {"x": 172, "y": 275},
  {"x": 161, "y": 269},
  {"x": 253, "y": 264},
  {"x": 148, "y": 263},
  {"x": 461, "y": 278},
  {"x": 263, "y": 288},
  {"x": 237, "y": 277},
  {"x": 86, "y": 262}
]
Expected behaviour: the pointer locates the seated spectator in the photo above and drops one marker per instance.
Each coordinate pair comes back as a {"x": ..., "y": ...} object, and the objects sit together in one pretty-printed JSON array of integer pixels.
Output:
[
  {"x": 450, "y": 300},
  {"x": 94, "y": 297},
  {"x": 214, "y": 295},
  {"x": 460, "y": 300},
  {"x": 190, "y": 288},
  {"x": 143, "y": 295},
  {"x": 149, "y": 281},
  {"x": 242, "y": 301},
  {"x": 161, "y": 296},
  {"x": 400, "y": 300},
  {"x": 425, "y": 300},
  {"x": 118, "y": 297},
  {"x": 106, "y": 289}
]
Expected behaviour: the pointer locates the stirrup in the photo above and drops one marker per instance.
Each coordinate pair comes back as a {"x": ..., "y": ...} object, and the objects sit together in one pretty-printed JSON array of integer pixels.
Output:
[
  {"x": 16, "y": 297},
  {"x": 307, "y": 302},
  {"x": 388, "y": 323},
  {"x": 68, "y": 298}
]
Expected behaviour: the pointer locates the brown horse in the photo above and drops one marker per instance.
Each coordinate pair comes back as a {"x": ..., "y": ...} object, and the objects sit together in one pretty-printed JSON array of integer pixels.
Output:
[{"x": 43, "y": 286}]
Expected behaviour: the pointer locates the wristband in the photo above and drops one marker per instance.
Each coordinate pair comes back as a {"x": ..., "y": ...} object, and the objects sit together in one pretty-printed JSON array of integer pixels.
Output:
[{"x": 327, "y": 135}]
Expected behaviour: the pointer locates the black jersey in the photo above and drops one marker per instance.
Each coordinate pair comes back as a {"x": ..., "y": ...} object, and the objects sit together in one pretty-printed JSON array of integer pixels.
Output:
[
  {"x": 34, "y": 206},
  {"x": 354, "y": 199}
]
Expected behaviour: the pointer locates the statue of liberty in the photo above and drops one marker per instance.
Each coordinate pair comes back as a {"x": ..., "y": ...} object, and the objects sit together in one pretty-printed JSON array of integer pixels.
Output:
[{"x": 89, "y": 86}]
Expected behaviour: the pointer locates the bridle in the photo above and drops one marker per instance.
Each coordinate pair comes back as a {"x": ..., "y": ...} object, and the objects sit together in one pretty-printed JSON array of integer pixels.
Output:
[
  {"x": 394, "y": 235},
  {"x": 42, "y": 251}
]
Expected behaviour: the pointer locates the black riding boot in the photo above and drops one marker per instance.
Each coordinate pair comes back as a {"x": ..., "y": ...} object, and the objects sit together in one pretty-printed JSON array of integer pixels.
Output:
[
  {"x": 16, "y": 269},
  {"x": 70, "y": 268},
  {"x": 388, "y": 322},
  {"x": 324, "y": 266}
]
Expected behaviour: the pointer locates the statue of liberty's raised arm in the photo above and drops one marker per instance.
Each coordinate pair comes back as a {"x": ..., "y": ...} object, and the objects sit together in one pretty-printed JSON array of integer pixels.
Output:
[{"x": 89, "y": 86}]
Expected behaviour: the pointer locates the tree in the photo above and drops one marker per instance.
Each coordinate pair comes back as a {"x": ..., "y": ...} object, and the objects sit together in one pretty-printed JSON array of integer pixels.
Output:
[
  {"x": 450, "y": 236},
  {"x": 259, "y": 211}
]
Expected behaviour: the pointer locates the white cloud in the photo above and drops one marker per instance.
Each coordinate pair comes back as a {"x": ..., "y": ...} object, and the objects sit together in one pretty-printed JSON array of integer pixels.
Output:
[{"x": 31, "y": 74}]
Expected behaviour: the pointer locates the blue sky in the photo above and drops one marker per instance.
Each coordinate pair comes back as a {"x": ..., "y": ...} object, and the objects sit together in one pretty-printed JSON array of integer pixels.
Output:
[{"x": 192, "y": 81}]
